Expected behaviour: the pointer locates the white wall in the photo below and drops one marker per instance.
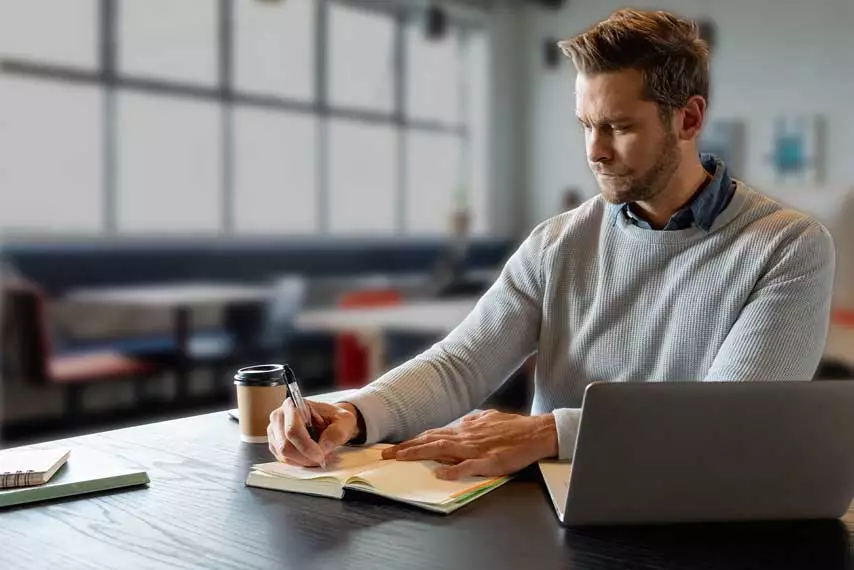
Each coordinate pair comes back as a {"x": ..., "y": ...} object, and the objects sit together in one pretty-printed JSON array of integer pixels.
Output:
[{"x": 772, "y": 57}]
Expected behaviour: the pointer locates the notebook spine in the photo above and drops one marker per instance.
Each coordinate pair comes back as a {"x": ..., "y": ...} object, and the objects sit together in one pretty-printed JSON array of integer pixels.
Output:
[{"x": 11, "y": 479}]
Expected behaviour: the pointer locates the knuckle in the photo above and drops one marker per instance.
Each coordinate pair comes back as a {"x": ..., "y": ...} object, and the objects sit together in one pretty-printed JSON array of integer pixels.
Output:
[{"x": 292, "y": 432}]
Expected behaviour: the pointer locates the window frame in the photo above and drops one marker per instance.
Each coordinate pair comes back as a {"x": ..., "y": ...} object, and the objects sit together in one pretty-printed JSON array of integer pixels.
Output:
[{"x": 107, "y": 76}]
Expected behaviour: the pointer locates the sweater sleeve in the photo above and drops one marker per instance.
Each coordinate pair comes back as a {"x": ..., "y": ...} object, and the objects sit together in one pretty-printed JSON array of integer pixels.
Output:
[
  {"x": 458, "y": 373},
  {"x": 781, "y": 331}
]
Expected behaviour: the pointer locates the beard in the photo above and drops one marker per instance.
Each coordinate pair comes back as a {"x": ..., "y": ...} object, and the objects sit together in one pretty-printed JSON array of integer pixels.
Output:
[{"x": 628, "y": 186}]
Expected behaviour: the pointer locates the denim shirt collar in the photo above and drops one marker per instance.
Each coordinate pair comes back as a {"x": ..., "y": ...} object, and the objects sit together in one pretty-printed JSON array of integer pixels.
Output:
[{"x": 703, "y": 209}]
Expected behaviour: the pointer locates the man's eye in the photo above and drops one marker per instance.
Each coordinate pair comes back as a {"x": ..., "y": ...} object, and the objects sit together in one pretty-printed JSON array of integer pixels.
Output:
[{"x": 620, "y": 129}]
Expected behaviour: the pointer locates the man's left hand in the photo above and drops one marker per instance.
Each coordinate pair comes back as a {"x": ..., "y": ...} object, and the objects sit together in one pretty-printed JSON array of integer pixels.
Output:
[{"x": 489, "y": 444}]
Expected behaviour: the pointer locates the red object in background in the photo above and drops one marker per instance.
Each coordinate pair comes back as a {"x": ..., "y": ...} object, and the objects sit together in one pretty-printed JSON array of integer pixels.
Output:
[
  {"x": 352, "y": 359},
  {"x": 843, "y": 317}
]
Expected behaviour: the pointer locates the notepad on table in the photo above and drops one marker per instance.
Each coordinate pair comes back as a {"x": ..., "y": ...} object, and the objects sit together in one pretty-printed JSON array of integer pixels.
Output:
[
  {"x": 25, "y": 468},
  {"x": 83, "y": 471},
  {"x": 363, "y": 469}
]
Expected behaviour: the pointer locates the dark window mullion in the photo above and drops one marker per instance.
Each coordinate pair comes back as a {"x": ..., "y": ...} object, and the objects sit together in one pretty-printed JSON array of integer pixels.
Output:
[
  {"x": 321, "y": 97},
  {"x": 225, "y": 43},
  {"x": 108, "y": 54},
  {"x": 400, "y": 114}
]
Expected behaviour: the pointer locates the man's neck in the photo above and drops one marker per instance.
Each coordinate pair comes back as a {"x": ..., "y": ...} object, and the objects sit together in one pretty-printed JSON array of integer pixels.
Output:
[{"x": 684, "y": 184}]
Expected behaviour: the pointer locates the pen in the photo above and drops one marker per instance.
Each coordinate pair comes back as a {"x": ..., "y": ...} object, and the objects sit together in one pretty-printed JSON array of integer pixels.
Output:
[{"x": 302, "y": 408}]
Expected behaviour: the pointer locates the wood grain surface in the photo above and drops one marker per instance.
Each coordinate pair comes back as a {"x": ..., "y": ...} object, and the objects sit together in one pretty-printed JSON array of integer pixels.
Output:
[{"x": 196, "y": 513}]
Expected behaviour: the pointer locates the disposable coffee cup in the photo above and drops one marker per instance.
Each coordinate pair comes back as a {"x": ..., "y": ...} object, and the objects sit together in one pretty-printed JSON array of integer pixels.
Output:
[{"x": 260, "y": 390}]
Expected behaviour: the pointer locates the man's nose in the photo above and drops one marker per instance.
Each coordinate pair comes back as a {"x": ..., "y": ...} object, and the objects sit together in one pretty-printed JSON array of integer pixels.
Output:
[{"x": 599, "y": 147}]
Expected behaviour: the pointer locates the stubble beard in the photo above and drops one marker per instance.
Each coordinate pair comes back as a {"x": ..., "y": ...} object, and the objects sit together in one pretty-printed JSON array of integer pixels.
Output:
[{"x": 638, "y": 188}]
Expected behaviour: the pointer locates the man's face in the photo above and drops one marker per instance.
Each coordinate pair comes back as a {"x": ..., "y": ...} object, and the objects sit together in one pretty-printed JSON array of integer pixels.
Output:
[{"x": 630, "y": 151}]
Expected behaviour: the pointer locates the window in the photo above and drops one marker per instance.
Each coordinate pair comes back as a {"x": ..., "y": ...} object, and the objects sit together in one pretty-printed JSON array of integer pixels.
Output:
[
  {"x": 476, "y": 117},
  {"x": 434, "y": 181},
  {"x": 274, "y": 48},
  {"x": 275, "y": 172},
  {"x": 59, "y": 32},
  {"x": 242, "y": 117},
  {"x": 169, "y": 40},
  {"x": 361, "y": 59},
  {"x": 168, "y": 165},
  {"x": 363, "y": 178},
  {"x": 432, "y": 76},
  {"x": 50, "y": 156}
]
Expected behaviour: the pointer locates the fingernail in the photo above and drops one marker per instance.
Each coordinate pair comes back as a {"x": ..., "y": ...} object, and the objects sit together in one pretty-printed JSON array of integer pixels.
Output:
[
  {"x": 389, "y": 453},
  {"x": 442, "y": 473}
]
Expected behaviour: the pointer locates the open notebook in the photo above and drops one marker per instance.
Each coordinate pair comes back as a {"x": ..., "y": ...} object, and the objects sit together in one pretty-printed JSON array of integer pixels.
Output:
[{"x": 363, "y": 469}]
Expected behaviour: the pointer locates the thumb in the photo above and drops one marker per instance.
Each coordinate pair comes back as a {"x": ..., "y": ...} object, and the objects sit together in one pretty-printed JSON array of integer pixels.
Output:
[{"x": 333, "y": 436}]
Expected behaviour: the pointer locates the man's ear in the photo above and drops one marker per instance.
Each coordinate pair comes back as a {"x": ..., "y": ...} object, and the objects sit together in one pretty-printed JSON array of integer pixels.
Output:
[{"x": 691, "y": 118}]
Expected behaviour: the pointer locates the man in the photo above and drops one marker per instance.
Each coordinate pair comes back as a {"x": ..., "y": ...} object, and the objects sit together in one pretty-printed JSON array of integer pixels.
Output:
[{"x": 676, "y": 272}]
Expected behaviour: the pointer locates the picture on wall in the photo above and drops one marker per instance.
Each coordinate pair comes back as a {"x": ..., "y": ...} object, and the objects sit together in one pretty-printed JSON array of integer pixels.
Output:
[{"x": 797, "y": 149}]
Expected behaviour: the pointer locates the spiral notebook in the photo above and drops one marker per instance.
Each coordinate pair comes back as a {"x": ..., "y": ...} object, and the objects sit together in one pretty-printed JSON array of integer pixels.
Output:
[
  {"x": 80, "y": 471},
  {"x": 25, "y": 468}
]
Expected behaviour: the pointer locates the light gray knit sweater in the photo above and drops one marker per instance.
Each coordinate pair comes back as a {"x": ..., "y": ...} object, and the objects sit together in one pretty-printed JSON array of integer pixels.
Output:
[{"x": 601, "y": 299}]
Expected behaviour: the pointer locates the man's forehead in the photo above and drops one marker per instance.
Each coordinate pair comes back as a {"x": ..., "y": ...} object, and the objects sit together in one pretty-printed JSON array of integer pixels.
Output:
[{"x": 612, "y": 91}]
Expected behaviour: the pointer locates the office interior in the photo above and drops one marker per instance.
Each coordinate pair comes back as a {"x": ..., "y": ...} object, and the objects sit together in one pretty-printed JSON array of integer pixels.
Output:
[{"x": 187, "y": 188}]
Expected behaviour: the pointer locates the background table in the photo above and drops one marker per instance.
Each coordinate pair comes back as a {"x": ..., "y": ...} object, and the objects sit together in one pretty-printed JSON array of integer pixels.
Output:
[
  {"x": 180, "y": 298},
  {"x": 197, "y": 514},
  {"x": 437, "y": 317}
]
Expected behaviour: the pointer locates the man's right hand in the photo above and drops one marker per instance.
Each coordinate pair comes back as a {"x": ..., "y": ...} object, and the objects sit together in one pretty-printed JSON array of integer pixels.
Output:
[{"x": 289, "y": 440}]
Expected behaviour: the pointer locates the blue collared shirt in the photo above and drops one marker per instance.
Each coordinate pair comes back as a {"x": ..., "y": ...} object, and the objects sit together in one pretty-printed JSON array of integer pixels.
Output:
[{"x": 703, "y": 208}]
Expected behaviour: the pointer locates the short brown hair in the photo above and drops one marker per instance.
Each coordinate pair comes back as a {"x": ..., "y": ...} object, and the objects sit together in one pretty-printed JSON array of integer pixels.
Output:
[{"x": 667, "y": 49}]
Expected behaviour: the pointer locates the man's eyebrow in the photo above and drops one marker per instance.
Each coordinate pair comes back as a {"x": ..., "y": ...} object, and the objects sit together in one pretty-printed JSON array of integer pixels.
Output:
[{"x": 618, "y": 119}]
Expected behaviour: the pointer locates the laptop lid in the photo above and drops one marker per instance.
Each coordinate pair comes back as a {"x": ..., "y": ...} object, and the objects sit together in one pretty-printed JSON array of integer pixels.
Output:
[{"x": 711, "y": 451}]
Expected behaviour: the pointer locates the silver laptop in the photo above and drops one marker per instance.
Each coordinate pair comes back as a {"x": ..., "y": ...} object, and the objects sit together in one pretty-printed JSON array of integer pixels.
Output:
[{"x": 708, "y": 451}]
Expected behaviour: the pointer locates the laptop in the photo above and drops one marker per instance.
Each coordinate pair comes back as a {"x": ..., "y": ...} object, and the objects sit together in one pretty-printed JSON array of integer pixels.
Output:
[{"x": 708, "y": 452}]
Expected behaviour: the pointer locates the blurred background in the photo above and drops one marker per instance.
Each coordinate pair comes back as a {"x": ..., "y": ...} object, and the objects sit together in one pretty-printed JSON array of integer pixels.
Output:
[{"x": 192, "y": 186}]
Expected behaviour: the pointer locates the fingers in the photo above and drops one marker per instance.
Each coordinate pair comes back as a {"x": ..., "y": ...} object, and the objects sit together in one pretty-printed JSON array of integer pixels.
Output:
[
  {"x": 472, "y": 467},
  {"x": 285, "y": 452},
  {"x": 474, "y": 416},
  {"x": 426, "y": 437},
  {"x": 336, "y": 434},
  {"x": 316, "y": 419},
  {"x": 440, "y": 449},
  {"x": 276, "y": 445},
  {"x": 289, "y": 438}
]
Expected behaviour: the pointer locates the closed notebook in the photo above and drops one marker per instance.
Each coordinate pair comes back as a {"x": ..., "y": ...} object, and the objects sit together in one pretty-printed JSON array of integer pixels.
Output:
[
  {"x": 84, "y": 472},
  {"x": 363, "y": 469},
  {"x": 28, "y": 467}
]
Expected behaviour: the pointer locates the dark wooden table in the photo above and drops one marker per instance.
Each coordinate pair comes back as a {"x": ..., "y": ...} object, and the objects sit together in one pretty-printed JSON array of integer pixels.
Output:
[{"x": 197, "y": 514}]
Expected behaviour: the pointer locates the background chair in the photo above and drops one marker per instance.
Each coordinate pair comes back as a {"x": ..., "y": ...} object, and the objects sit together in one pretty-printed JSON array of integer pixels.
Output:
[{"x": 28, "y": 354}]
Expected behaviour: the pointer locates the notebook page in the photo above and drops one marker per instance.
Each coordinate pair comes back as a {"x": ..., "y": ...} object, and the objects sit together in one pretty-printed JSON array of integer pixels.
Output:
[
  {"x": 351, "y": 460},
  {"x": 416, "y": 481}
]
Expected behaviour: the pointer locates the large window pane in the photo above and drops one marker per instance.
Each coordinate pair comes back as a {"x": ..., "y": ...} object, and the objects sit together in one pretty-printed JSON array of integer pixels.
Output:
[
  {"x": 50, "y": 156},
  {"x": 361, "y": 58},
  {"x": 169, "y": 39},
  {"x": 362, "y": 178},
  {"x": 168, "y": 164},
  {"x": 432, "y": 76},
  {"x": 432, "y": 181},
  {"x": 50, "y": 31},
  {"x": 477, "y": 108},
  {"x": 274, "y": 48},
  {"x": 275, "y": 172}
]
